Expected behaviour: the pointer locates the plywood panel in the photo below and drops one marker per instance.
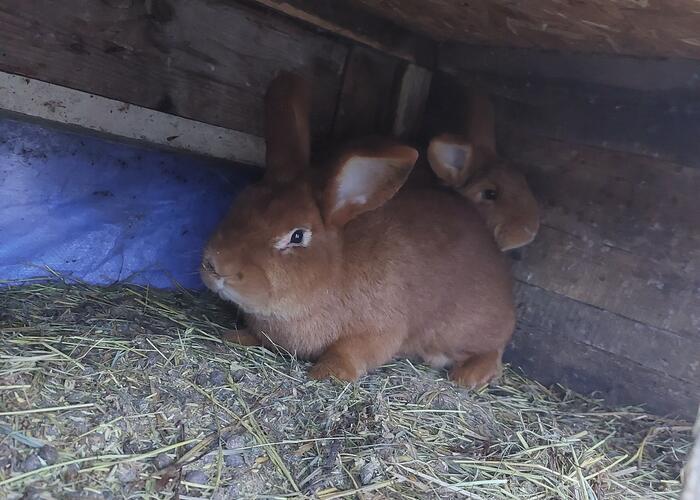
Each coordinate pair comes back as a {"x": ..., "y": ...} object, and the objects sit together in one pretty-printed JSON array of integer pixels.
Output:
[
  {"x": 639, "y": 27},
  {"x": 208, "y": 61}
]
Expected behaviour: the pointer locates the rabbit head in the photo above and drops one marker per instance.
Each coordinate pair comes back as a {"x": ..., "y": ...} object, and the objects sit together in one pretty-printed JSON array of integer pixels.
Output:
[
  {"x": 280, "y": 245},
  {"x": 470, "y": 165}
]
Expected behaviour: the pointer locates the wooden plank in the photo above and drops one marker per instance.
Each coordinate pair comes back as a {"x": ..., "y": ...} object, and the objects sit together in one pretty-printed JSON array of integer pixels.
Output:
[
  {"x": 69, "y": 107},
  {"x": 366, "y": 103},
  {"x": 636, "y": 27},
  {"x": 657, "y": 124},
  {"x": 346, "y": 20},
  {"x": 618, "y": 231},
  {"x": 207, "y": 61},
  {"x": 648, "y": 74},
  {"x": 559, "y": 340},
  {"x": 607, "y": 277},
  {"x": 674, "y": 355},
  {"x": 412, "y": 97},
  {"x": 642, "y": 205}
]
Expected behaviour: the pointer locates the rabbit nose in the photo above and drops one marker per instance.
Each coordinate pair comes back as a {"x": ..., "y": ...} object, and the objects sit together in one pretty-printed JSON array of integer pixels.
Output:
[{"x": 208, "y": 266}]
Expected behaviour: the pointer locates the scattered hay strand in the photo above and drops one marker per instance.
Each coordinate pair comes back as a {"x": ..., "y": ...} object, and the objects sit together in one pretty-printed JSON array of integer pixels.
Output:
[{"x": 125, "y": 391}]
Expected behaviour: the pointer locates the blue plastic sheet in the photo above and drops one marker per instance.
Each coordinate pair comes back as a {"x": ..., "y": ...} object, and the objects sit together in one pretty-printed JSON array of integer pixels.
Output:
[{"x": 104, "y": 212}]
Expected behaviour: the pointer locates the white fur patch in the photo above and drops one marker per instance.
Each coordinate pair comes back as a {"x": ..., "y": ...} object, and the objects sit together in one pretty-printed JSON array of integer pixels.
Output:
[
  {"x": 225, "y": 292},
  {"x": 438, "y": 360},
  {"x": 229, "y": 294},
  {"x": 359, "y": 178},
  {"x": 452, "y": 156}
]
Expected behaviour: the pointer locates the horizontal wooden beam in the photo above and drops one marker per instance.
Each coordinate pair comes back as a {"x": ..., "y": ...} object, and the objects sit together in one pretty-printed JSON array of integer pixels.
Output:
[
  {"x": 206, "y": 61},
  {"x": 358, "y": 25},
  {"x": 637, "y": 73},
  {"x": 69, "y": 107},
  {"x": 660, "y": 124}
]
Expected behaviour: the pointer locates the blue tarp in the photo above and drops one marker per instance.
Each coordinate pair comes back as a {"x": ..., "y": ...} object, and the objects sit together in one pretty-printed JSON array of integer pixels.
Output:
[{"x": 103, "y": 212}]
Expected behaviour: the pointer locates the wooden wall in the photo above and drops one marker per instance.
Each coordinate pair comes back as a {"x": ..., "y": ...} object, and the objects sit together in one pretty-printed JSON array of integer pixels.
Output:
[
  {"x": 205, "y": 61},
  {"x": 609, "y": 292},
  {"x": 649, "y": 28},
  {"x": 208, "y": 61}
]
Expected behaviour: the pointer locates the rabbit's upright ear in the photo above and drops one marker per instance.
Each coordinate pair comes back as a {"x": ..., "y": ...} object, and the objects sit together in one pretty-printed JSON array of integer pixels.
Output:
[
  {"x": 481, "y": 122},
  {"x": 364, "y": 179},
  {"x": 452, "y": 159},
  {"x": 287, "y": 134}
]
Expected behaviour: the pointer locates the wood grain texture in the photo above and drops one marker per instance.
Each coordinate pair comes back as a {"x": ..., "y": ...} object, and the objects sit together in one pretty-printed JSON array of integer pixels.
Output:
[
  {"x": 618, "y": 258},
  {"x": 353, "y": 23},
  {"x": 562, "y": 341},
  {"x": 649, "y": 74},
  {"x": 659, "y": 124},
  {"x": 619, "y": 231},
  {"x": 366, "y": 103},
  {"x": 76, "y": 109},
  {"x": 208, "y": 61},
  {"x": 610, "y": 288},
  {"x": 638, "y": 27},
  {"x": 412, "y": 94}
]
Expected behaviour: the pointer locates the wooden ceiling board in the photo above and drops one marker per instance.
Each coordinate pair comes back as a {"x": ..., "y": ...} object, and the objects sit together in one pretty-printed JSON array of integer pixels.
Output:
[{"x": 650, "y": 28}]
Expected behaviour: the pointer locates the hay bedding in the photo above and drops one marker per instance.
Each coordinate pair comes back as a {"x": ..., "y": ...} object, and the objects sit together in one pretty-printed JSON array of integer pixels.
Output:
[{"x": 127, "y": 393}]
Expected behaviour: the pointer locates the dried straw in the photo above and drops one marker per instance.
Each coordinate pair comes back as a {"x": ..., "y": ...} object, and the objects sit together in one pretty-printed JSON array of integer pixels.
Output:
[{"x": 125, "y": 391}]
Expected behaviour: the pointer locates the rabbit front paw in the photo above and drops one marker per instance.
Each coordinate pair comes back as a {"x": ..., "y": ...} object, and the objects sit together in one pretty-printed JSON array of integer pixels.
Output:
[
  {"x": 241, "y": 337},
  {"x": 334, "y": 368},
  {"x": 478, "y": 370}
]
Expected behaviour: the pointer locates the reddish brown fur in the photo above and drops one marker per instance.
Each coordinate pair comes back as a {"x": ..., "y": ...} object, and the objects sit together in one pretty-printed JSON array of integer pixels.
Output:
[
  {"x": 415, "y": 275},
  {"x": 513, "y": 216}
]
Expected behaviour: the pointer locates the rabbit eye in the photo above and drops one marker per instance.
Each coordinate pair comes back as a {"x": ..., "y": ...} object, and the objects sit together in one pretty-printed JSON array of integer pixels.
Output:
[
  {"x": 489, "y": 194},
  {"x": 297, "y": 237}
]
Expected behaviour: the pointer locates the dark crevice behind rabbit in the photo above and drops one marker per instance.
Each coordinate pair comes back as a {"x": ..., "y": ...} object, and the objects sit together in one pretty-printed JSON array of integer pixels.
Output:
[{"x": 341, "y": 266}]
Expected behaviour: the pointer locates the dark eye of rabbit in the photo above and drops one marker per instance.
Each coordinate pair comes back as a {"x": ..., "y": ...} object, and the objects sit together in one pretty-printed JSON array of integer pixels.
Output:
[
  {"x": 297, "y": 237},
  {"x": 490, "y": 194}
]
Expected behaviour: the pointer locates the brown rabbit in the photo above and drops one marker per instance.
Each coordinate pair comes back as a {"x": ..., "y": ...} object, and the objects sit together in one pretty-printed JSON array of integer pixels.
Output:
[
  {"x": 470, "y": 165},
  {"x": 337, "y": 269}
]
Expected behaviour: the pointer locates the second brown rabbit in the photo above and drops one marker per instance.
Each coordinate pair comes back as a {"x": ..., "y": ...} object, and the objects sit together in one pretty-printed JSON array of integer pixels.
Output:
[
  {"x": 342, "y": 270},
  {"x": 469, "y": 164}
]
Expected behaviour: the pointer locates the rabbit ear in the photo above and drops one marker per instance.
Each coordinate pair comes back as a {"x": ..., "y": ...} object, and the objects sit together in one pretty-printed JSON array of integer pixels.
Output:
[
  {"x": 452, "y": 159},
  {"x": 481, "y": 122},
  {"x": 366, "y": 178},
  {"x": 287, "y": 134}
]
